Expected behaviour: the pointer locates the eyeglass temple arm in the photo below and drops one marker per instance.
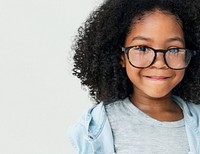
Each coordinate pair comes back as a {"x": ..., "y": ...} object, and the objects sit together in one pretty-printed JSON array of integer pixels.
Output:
[{"x": 194, "y": 53}]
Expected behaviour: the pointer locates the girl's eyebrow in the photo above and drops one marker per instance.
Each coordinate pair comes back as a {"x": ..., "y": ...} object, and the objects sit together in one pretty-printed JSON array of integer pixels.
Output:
[
  {"x": 142, "y": 38},
  {"x": 179, "y": 39},
  {"x": 176, "y": 39}
]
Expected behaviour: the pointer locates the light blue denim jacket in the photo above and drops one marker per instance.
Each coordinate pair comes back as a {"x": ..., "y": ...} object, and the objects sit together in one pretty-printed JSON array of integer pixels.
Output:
[{"x": 93, "y": 135}]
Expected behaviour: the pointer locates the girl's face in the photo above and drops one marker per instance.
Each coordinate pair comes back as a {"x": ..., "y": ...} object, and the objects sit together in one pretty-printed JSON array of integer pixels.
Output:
[{"x": 157, "y": 30}]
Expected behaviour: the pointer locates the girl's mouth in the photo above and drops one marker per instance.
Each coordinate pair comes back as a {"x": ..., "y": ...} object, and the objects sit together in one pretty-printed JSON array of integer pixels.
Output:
[{"x": 157, "y": 77}]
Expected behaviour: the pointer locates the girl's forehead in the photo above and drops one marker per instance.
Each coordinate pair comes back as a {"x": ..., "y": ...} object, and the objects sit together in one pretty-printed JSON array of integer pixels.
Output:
[{"x": 157, "y": 26}]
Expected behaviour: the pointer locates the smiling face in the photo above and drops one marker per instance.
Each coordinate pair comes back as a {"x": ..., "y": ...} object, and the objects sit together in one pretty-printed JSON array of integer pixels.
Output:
[{"x": 157, "y": 30}]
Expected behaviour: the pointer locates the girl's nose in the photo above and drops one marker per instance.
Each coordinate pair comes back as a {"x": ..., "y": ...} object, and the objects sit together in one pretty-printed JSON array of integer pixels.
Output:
[{"x": 159, "y": 61}]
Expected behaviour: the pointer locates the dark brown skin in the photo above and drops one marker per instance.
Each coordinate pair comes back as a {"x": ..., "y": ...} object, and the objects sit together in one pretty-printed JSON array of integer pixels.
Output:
[
  {"x": 162, "y": 109},
  {"x": 152, "y": 86}
]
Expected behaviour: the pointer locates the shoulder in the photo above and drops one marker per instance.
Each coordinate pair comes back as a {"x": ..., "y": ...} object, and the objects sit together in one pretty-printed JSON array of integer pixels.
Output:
[
  {"x": 189, "y": 107},
  {"x": 118, "y": 104},
  {"x": 80, "y": 133},
  {"x": 117, "y": 107},
  {"x": 94, "y": 113},
  {"x": 92, "y": 130},
  {"x": 88, "y": 123},
  {"x": 92, "y": 120},
  {"x": 191, "y": 112}
]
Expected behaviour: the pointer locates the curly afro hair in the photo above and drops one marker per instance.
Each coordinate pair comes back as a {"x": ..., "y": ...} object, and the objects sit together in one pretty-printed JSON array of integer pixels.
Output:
[{"x": 99, "y": 40}]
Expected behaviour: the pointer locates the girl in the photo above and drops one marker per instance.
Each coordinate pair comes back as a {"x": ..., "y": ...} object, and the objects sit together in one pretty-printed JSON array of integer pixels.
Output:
[{"x": 140, "y": 60}]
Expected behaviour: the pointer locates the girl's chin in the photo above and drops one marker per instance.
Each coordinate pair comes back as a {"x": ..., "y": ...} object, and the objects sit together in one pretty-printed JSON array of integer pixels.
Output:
[
  {"x": 158, "y": 95},
  {"x": 154, "y": 94}
]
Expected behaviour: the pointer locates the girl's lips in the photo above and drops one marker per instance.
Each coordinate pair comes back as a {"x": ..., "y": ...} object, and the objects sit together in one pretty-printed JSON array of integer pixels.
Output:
[{"x": 157, "y": 77}]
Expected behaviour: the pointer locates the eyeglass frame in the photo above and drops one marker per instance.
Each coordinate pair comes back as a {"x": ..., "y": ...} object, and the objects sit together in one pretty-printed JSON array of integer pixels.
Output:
[{"x": 127, "y": 49}]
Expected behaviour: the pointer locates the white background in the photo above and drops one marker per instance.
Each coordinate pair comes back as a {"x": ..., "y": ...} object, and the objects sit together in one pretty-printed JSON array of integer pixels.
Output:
[{"x": 39, "y": 98}]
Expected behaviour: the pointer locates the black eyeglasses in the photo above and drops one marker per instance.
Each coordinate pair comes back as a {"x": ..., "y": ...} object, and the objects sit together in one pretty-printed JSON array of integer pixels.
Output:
[{"x": 143, "y": 56}]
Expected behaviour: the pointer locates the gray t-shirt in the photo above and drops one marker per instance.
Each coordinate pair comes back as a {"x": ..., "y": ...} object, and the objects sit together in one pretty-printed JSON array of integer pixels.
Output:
[{"x": 135, "y": 132}]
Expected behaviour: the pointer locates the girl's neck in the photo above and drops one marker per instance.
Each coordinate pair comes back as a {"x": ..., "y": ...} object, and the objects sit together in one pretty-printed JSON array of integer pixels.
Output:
[{"x": 162, "y": 109}]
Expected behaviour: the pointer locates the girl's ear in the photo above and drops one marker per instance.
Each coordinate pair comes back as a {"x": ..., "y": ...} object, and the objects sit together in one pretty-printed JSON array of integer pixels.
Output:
[{"x": 122, "y": 61}]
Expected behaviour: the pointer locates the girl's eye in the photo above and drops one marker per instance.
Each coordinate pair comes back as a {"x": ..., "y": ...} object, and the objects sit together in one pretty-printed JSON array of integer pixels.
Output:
[
  {"x": 174, "y": 50},
  {"x": 142, "y": 48}
]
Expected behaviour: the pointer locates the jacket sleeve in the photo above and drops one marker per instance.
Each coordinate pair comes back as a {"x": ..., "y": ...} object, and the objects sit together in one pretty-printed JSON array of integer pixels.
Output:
[
  {"x": 92, "y": 134},
  {"x": 79, "y": 139},
  {"x": 78, "y": 134}
]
